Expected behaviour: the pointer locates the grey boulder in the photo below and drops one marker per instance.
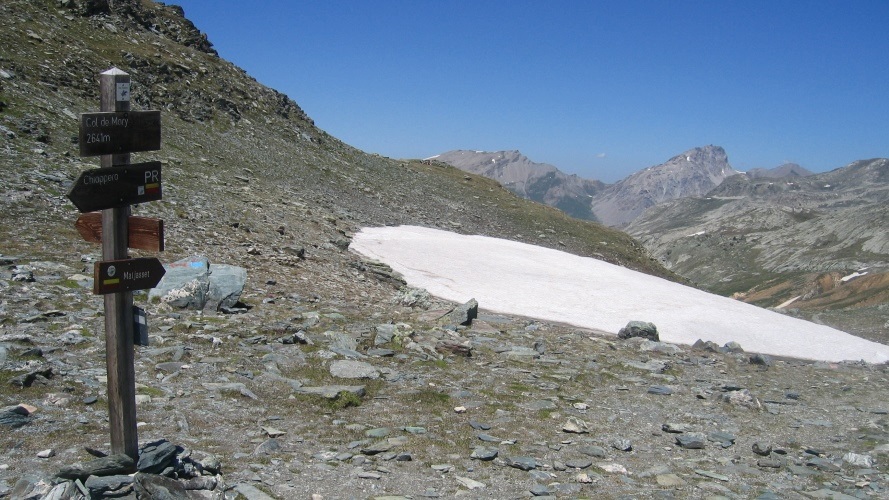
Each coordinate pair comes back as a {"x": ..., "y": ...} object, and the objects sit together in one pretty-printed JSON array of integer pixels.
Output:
[
  {"x": 642, "y": 329},
  {"x": 193, "y": 283}
]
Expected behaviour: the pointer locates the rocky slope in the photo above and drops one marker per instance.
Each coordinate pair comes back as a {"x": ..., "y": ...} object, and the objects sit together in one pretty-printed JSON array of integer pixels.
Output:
[
  {"x": 540, "y": 182},
  {"x": 337, "y": 380},
  {"x": 773, "y": 240}
]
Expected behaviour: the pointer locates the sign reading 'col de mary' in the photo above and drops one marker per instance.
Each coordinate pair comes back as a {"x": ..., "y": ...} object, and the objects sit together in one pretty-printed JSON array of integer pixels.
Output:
[{"x": 112, "y": 132}]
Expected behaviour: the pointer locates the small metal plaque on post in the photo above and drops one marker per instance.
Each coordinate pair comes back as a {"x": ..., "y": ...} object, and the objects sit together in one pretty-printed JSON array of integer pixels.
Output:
[
  {"x": 116, "y": 132},
  {"x": 123, "y": 91},
  {"x": 140, "y": 327}
]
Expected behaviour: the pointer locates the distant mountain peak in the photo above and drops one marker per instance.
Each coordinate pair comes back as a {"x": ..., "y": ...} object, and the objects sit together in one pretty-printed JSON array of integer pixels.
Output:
[
  {"x": 701, "y": 153},
  {"x": 540, "y": 182},
  {"x": 691, "y": 173}
]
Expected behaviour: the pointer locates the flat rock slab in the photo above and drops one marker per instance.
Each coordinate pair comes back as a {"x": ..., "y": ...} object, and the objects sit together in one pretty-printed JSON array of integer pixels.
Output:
[
  {"x": 251, "y": 492},
  {"x": 465, "y": 313},
  {"x": 470, "y": 484},
  {"x": 109, "y": 486},
  {"x": 579, "y": 463},
  {"x": 521, "y": 463},
  {"x": 712, "y": 475},
  {"x": 348, "y": 368},
  {"x": 14, "y": 416},
  {"x": 385, "y": 333},
  {"x": 770, "y": 463},
  {"x": 725, "y": 439},
  {"x": 155, "y": 457},
  {"x": 669, "y": 480},
  {"x": 691, "y": 441},
  {"x": 593, "y": 451},
  {"x": 267, "y": 447},
  {"x": 575, "y": 425},
  {"x": 541, "y": 490},
  {"x": 332, "y": 391},
  {"x": 675, "y": 428},
  {"x": 479, "y": 426},
  {"x": 488, "y": 438},
  {"x": 106, "y": 466},
  {"x": 660, "y": 390},
  {"x": 163, "y": 488},
  {"x": 379, "y": 447},
  {"x": 823, "y": 464},
  {"x": 434, "y": 315},
  {"x": 230, "y": 387},
  {"x": 826, "y": 493},
  {"x": 484, "y": 453}
]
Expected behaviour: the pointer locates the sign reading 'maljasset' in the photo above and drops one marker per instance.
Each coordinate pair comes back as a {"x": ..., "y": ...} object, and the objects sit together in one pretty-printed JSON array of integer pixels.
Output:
[
  {"x": 107, "y": 133},
  {"x": 117, "y": 276},
  {"x": 115, "y": 187}
]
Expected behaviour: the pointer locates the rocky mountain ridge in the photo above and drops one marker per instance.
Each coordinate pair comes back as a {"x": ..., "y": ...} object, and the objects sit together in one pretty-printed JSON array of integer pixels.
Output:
[
  {"x": 336, "y": 380},
  {"x": 691, "y": 173},
  {"x": 798, "y": 239},
  {"x": 540, "y": 182}
]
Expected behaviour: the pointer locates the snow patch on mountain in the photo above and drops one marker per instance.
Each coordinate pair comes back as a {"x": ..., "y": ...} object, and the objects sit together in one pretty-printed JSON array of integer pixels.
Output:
[{"x": 517, "y": 278}]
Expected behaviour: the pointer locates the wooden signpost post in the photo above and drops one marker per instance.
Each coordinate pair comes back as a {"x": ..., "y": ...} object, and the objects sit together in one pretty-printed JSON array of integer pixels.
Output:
[{"x": 113, "y": 134}]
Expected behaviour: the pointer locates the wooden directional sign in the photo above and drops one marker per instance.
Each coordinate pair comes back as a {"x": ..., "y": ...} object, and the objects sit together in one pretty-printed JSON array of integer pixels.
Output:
[
  {"x": 117, "y": 276},
  {"x": 144, "y": 233},
  {"x": 115, "y": 187},
  {"x": 109, "y": 133}
]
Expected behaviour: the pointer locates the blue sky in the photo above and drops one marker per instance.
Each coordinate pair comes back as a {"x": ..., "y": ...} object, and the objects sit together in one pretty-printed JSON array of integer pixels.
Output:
[{"x": 600, "y": 89}]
